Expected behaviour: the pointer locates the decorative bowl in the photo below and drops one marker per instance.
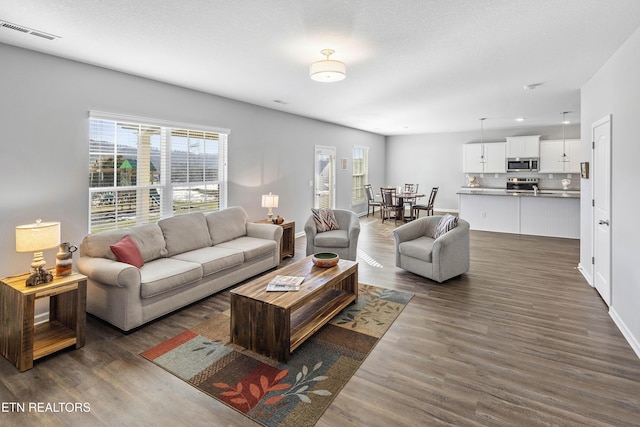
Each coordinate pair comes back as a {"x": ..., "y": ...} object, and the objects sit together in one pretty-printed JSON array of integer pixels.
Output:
[{"x": 325, "y": 259}]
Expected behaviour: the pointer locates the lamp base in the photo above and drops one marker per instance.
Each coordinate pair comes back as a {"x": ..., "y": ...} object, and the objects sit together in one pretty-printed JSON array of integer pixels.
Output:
[{"x": 39, "y": 277}]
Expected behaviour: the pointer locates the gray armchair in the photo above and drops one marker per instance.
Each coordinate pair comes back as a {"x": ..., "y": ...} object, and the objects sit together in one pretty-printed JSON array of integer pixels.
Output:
[
  {"x": 436, "y": 259},
  {"x": 344, "y": 241}
]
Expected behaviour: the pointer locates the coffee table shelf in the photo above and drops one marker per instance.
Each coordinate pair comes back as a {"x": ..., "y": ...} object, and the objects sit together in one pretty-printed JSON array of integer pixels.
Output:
[
  {"x": 276, "y": 323},
  {"x": 306, "y": 320}
]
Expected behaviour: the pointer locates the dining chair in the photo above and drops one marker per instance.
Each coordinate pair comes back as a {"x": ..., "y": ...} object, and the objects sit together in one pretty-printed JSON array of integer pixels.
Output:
[
  {"x": 411, "y": 188},
  {"x": 390, "y": 203},
  {"x": 428, "y": 207},
  {"x": 371, "y": 201}
]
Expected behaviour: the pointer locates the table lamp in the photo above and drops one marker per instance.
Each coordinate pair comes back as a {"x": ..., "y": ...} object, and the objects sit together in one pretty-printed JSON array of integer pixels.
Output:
[
  {"x": 270, "y": 201},
  {"x": 36, "y": 238}
]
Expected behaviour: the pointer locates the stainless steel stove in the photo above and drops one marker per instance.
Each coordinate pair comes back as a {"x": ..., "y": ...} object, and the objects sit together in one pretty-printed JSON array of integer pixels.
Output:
[{"x": 522, "y": 184}]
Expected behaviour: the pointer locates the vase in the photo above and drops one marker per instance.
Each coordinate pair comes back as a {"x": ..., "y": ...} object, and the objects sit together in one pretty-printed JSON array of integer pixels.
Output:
[{"x": 64, "y": 259}]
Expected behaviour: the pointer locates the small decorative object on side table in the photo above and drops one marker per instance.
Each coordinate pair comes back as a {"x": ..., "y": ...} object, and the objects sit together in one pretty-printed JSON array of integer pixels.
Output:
[
  {"x": 288, "y": 242},
  {"x": 22, "y": 342}
]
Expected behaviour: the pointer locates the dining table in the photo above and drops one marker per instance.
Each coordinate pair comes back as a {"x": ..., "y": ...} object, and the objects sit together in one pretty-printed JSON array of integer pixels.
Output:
[{"x": 404, "y": 198}]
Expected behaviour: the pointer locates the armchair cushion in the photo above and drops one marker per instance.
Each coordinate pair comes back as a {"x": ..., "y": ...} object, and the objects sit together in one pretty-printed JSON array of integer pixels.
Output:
[
  {"x": 325, "y": 220},
  {"x": 447, "y": 223},
  {"x": 333, "y": 239},
  {"x": 420, "y": 248}
]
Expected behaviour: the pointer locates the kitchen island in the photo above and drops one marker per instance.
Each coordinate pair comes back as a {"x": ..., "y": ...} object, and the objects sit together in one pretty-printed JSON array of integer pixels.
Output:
[{"x": 554, "y": 213}]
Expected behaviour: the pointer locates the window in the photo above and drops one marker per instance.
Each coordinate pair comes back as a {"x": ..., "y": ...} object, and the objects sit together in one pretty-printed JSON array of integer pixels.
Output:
[
  {"x": 360, "y": 173},
  {"x": 141, "y": 170}
]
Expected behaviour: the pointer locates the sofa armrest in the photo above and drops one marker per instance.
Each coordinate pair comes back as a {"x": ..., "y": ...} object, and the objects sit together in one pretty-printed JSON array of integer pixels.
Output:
[
  {"x": 264, "y": 231},
  {"x": 354, "y": 227},
  {"x": 109, "y": 272}
]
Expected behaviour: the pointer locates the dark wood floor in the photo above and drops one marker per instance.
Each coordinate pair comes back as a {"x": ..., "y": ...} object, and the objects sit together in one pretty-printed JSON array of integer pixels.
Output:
[{"x": 521, "y": 339}]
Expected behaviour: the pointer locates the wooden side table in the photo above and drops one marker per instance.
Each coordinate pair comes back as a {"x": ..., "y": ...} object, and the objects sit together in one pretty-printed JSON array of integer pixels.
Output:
[
  {"x": 288, "y": 241},
  {"x": 21, "y": 341}
]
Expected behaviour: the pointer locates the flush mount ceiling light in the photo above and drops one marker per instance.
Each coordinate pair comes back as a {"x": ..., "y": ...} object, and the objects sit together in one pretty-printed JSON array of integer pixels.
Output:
[{"x": 327, "y": 70}]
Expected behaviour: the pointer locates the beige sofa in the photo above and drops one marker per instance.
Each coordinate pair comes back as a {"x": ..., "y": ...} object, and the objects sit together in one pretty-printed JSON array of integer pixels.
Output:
[{"x": 186, "y": 258}]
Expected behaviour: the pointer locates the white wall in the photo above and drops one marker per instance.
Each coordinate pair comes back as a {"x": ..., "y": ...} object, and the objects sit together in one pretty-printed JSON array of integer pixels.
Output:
[
  {"x": 435, "y": 160},
  {"x": 615, "y": 90},
  {"x": 44, "y": 145}
]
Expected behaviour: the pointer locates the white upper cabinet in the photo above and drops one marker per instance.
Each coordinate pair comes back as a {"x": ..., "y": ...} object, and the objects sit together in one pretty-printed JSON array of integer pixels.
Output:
[
  {"x": 560, "y": 156},
  {"x": 488, "y": 157},
  {"x": 523, "y": 146}
]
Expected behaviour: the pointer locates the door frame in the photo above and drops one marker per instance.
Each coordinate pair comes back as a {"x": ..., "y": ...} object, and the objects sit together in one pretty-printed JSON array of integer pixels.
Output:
[
  {"x": 608, "y": 299},
  {"x": 332, "y": 152}
]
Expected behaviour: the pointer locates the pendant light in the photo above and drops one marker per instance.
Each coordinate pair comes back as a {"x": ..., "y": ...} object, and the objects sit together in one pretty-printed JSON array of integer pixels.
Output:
[
  {"x": 564, "y": 143},
  {"x": 327, "y": 70},
  {"x": 482, "y": 119}
]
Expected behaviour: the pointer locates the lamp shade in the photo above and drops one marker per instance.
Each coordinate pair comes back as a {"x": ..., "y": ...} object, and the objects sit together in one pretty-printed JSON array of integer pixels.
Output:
[
  {"x": 327, "y": 70},
  {"x": 269, "y": 200},
  {"x": 38, "y": 236}
]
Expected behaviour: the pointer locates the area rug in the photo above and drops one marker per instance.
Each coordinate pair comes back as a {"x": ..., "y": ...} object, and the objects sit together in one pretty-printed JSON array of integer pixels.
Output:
[{"x": 281, "y": 394}]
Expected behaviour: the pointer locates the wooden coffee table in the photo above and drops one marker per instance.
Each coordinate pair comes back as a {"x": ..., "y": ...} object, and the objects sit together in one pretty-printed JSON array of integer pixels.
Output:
[{"x": 276, "y": 323}]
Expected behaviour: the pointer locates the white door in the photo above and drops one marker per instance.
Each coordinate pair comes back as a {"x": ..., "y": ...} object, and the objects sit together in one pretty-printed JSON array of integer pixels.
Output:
[
  {"x": 601, "y": 190},
  {"x": 325, "y": 177}
]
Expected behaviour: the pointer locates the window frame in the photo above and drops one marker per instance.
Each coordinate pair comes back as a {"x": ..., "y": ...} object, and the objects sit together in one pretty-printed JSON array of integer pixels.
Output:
[
  {"x": 164, "y": 187},
  {"x": 358, "y": 196}
]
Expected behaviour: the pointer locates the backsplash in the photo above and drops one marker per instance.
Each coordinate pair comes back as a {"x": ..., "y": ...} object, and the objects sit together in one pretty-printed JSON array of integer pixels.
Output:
[{"x": 545, "y": 183}]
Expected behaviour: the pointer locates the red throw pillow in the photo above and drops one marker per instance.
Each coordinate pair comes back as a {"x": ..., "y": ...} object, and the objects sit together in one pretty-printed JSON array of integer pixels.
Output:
[{"x": 127, "y": 251}]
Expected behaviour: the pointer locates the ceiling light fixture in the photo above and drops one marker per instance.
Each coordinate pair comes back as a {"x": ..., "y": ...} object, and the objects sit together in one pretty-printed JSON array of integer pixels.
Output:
[
  {"x": 521, "y": 119},
  {"x": 327, "y": 70}
]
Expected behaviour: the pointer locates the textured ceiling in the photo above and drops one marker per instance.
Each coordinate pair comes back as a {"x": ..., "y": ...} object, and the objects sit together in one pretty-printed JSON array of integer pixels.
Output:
[{"x": 413, "y": 66}]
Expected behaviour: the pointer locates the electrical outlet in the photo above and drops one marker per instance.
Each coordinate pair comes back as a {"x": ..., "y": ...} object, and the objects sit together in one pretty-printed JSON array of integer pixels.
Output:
[
  {"x": 550, "y": 176},
  {"x": 310, "y": 183},
  {"x": 496, "y": 176},
  {"x": 481, "y": 175},
  {"x": 568, "y": 175}
]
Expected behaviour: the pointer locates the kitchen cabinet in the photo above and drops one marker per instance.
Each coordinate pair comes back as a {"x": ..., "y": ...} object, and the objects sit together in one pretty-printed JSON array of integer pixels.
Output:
[
  {"x": 523, "y": 146},
  {"x": 558, "y": 156},
  {"x": 538, "y": 216},
  {"x": 488, "y": 157},
  {"x": 490, "y": 213}
]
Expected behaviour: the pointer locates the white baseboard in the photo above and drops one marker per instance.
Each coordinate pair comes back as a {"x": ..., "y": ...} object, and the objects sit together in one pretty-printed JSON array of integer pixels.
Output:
[
  {"x": 585, "y": 273},
  {"x": 41, "y": 318},
  {"x": 633, "y": 342}
]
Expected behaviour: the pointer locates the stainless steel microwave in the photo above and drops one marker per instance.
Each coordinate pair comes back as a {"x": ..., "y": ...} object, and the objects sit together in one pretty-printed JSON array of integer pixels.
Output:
[{"x": 522, "y": 164}]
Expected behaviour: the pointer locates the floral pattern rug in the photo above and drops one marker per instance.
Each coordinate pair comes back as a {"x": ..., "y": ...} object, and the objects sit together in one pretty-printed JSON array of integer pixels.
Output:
[{"x": 281, "y": 394}]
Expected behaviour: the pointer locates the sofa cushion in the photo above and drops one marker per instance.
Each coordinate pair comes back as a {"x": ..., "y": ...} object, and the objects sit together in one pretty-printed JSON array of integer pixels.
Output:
[
  {"x": 332, "y": 239},
  {"x": 148, "y": 238},
  {"x": 213, "y": 259},
  {"x": 325, "y": 220},
  {"x": 126, "y": 251},
  {"x": 227, "y": 224},
  {"x": 166, "y": 274},
  {"x": 251, "y": 247},
  {"x": 185, "y": 233},
  {"x": 420, "y": 248}
]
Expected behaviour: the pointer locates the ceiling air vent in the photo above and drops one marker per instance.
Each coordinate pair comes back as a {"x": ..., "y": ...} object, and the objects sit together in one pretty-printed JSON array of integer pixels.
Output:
[{"x": 28, "y": 30}]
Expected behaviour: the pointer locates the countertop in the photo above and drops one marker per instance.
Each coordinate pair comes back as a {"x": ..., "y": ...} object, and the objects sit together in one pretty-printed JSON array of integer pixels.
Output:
[{"x": 484, "y": 191}]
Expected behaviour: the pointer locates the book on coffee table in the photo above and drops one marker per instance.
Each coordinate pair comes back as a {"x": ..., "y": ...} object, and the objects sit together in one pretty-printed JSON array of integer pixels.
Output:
[{"x": 285, "y": 283}]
